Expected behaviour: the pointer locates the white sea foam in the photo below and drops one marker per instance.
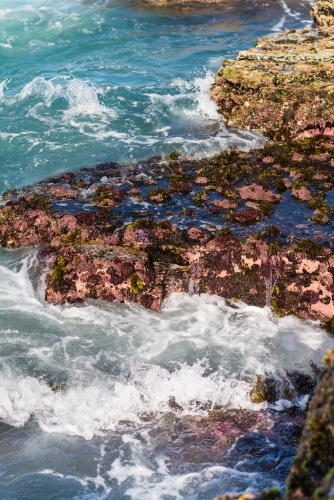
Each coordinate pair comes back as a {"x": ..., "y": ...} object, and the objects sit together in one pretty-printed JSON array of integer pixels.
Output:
[
  {"x": 192, "y": 98},
  {"x": 205, "y": 484},
  {"x": 279, "y": 25},
  {"x": 64, "y": 105},
  {"x": 123, "y": 361},
  {"x": 197, "y": 126},
  {"x": 3, "y": 85},
  {"x": 81, "y": 97}
]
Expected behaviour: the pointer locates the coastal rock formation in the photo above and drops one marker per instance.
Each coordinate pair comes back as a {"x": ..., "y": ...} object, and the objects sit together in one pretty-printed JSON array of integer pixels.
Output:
[
  {"x": 283, "y": 86},
  {"x": 218, "y": 226}
]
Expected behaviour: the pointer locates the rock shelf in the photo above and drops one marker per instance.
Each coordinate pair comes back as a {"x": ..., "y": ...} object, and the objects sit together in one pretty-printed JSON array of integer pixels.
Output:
[
  {"x": 284, "y": 86},
  {"x": 254, "y": 226}
]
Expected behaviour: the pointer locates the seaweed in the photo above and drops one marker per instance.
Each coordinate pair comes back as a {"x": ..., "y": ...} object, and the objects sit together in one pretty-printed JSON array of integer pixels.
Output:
[{"x": 136, "y": 284}]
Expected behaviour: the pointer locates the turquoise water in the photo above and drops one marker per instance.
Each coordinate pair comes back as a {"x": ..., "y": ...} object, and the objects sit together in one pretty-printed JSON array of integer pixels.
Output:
[
  {"x": 104, "y": 401},
  {"x": 84, "y": 82}
]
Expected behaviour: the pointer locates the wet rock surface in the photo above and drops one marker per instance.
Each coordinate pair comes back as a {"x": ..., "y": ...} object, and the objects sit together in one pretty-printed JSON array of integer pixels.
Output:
[
  {"x": 312, "y": 474},
  {"x": 245, "y": 441},
  {"x": 255, "y": 226}
]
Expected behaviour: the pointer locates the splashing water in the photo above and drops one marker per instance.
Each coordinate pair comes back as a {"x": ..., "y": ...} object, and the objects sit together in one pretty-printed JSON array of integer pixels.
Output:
[{"x": 117, "y": 372}]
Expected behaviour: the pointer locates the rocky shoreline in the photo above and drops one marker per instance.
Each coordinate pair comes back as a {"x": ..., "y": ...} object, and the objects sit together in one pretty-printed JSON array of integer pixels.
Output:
[
  {"x": 218, "y": 226},
  {"x": 254, "y": 226},
  {"x": 283, "y": 86}
]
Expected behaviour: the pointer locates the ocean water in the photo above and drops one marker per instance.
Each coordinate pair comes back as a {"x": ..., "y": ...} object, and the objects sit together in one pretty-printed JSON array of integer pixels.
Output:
[{"x": 109, "y": 401}]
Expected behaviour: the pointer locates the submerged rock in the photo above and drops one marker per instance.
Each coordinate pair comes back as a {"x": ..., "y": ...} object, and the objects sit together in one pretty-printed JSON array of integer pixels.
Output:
[{"x": 312, "y": 472}]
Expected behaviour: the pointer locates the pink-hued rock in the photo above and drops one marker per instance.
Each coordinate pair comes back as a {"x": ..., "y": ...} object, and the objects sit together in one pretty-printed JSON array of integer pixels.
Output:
[
  {"x": 252, "y": 204},
  {"x": 181, "y": 187},
  {"x": 320, "y": 217},
  {"x": 295, "y": 175},
  {"x": 224, "y": 204},
  {"x": 247, "y": 217},
  {"x": 302, "y": 193},
  {"x": 201, "y": 180},
  {"x": 268, "y": 159},
  {"x": 195, "y": 233},
  {"x": 320, "y": 157},
  {"x": 256, "y": 192},
  {"x": 145, "y": 264},
  {"x": 297, "y": 157},
  {"x": 61, "y": 192}
]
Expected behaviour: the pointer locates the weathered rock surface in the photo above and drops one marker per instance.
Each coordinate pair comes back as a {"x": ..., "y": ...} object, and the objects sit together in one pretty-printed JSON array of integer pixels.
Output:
[
  {"x": 125, "y": 233},
  {"x": 323, "y": 13},
  {"x": 284, "y": 86}
]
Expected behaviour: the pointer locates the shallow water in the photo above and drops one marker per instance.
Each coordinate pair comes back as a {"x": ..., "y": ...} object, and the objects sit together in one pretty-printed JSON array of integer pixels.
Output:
[{"x": 114, "y": 401}]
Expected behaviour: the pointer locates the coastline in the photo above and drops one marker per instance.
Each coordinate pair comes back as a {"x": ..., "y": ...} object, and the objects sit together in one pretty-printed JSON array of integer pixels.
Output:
[{"x": 108, "y": 233}]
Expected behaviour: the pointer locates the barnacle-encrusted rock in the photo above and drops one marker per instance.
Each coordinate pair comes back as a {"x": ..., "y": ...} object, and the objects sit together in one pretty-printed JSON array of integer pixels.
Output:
[{"x": 284, "y": 86}]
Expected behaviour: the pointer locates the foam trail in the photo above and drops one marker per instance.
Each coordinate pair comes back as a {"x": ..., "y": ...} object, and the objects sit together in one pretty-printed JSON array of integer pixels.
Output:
[{"x": 198, "y": 352}]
